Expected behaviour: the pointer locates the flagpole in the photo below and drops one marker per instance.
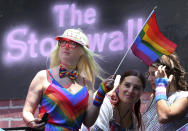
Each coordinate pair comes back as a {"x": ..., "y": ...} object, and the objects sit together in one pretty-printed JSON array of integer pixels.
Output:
[{"x": 134, "y": 40}]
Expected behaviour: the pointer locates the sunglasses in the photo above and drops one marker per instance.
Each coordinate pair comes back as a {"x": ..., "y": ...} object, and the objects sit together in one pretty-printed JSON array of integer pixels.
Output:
[{"x": 68, "y": 44}]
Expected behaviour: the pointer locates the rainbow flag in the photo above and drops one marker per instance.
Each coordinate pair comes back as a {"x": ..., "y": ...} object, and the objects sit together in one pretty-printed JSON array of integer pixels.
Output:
[{"x": 151, "y": 44}]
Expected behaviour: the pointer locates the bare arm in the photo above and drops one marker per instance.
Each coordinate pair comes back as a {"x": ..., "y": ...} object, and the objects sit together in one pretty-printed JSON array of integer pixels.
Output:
[
  {"x": 34, "y": 96},
  {"x": 93, "y": 110},
  {"x": 165, "y": 112},
  {"x": 169, "y": 113},
  {"x": 90, "y": 117}
]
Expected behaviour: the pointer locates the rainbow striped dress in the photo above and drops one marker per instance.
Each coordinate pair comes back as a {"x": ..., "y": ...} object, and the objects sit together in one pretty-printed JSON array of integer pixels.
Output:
[{"x": 66, "y": 111}]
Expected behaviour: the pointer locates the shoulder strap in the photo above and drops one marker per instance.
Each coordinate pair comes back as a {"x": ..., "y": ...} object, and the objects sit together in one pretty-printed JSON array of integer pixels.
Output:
[{"x": 49, "y": 75}]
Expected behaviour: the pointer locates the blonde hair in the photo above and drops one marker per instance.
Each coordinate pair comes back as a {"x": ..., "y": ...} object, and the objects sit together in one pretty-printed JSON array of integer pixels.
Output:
[
  {"x": 54, "y": 57},
  {"x": 87, "y": 66}
]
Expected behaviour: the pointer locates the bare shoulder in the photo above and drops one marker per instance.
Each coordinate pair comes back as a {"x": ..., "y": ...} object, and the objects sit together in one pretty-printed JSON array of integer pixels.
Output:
[
  {"x": 41, "y": 74},
  {"x": 183, "y": 101},
  {"x": 39, "y": 78}
]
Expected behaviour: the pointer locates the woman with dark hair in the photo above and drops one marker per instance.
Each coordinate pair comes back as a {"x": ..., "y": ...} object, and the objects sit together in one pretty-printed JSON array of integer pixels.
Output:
[
  {"x": 169, "y": 100},
  {"x": 121, "y": 110}
]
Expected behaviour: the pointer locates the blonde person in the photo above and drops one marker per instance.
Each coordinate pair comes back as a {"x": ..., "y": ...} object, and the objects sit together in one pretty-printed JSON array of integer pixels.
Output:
[
  {"x": 65, "y": 90},
  {"x": 168, "y": 109},
  {"x": 120, "y": 110}
]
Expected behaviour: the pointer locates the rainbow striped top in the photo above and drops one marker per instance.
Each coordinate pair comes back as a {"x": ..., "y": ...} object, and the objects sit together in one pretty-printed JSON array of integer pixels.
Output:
[{"x": 66, "y": 111}]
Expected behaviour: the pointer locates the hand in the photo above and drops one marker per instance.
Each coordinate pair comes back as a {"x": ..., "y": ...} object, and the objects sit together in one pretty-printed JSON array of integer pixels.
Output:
[
  {"x": 104, "y": 87},
  {"x": 109, "y": 83},
  {"x": 161, "y": 73},
  {"x": 36, "y": 123},
  {"x": 116, "y": 83}
]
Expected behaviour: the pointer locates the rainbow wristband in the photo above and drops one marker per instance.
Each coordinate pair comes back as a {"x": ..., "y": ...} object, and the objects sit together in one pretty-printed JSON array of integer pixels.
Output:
[
  {"x": 160, "y": 91},
  {"x": 100, "y": 95}
]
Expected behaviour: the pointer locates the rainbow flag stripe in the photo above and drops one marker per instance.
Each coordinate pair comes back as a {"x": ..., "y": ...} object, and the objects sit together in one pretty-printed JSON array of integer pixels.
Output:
[{"x": 151, "y": 43}]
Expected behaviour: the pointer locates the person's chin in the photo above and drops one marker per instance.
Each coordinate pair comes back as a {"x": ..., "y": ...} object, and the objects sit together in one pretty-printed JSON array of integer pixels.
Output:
[
  {"x": 66, "y": 58},
  {"x": 128, "y": 100}
]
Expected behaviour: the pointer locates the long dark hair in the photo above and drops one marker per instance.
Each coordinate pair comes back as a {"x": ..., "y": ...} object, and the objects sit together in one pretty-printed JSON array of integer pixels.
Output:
[{"x": 136, "y": 108}]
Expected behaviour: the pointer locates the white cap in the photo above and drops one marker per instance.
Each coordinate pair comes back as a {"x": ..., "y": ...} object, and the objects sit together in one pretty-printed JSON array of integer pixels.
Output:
[{"x": 75, "y": 35}]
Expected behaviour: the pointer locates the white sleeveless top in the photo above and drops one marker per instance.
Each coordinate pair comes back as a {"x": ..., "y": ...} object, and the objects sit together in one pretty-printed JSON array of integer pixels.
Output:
[{"x": 150, "y": 118}]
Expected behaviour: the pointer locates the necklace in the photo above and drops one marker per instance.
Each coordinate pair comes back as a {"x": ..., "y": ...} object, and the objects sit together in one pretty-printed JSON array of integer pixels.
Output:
[{"x": 122, "y": 118}]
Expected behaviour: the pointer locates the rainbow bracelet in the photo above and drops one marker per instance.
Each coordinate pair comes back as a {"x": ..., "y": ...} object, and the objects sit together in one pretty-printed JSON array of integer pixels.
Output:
[{"x": 100, "y": 95}]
